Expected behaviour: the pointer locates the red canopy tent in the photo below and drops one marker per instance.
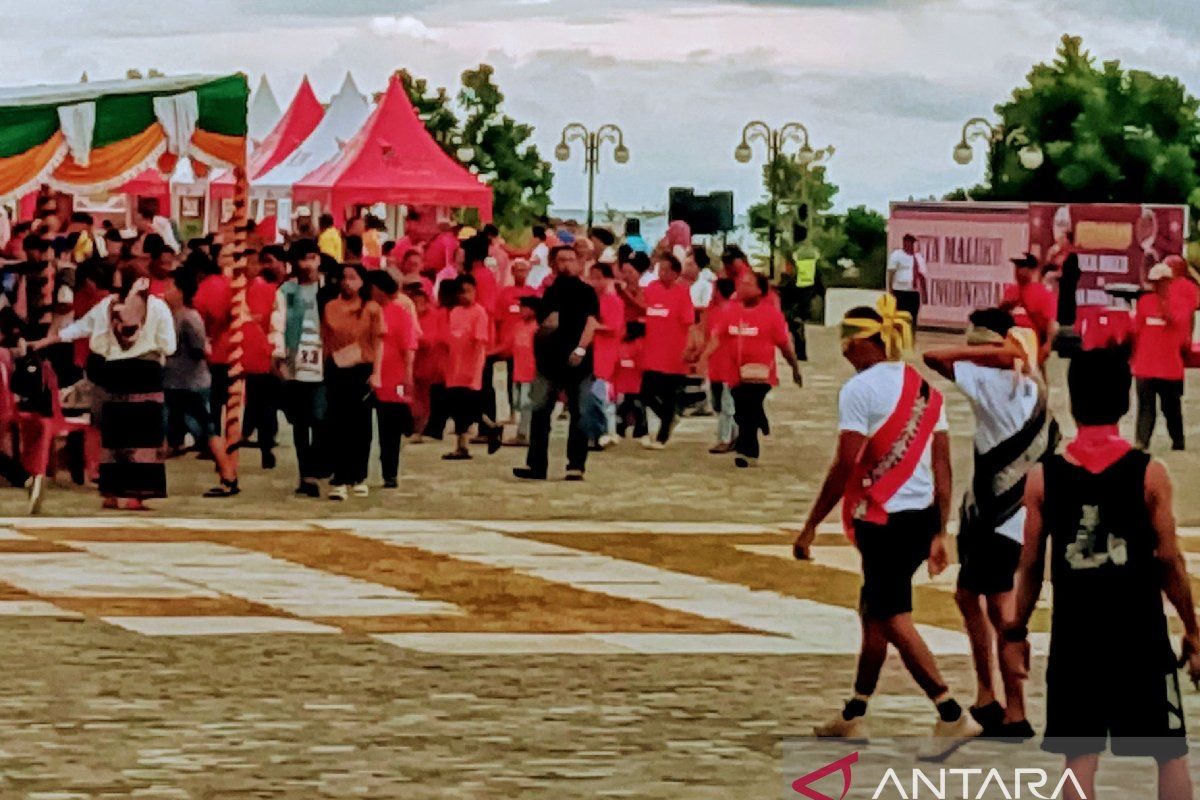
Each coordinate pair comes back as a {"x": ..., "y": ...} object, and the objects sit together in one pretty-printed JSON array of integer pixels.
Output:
[
  {"x": 301, "y": 117},
  {"x": 152, "y": 183},
  {"x": 393, "y": 160}
]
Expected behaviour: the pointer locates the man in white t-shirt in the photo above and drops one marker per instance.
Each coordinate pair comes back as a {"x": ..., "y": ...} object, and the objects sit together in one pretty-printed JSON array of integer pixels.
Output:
[
  {"x": 1013, "y": 431},
  {"x": 539, "y": 260},
  {"x": 905, "y": 273},
  {"x": 892, "y": 474}
]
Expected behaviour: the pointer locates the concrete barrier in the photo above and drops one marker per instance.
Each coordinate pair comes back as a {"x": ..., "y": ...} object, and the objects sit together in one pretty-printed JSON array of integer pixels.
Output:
[{"x": 839, "y": 301}]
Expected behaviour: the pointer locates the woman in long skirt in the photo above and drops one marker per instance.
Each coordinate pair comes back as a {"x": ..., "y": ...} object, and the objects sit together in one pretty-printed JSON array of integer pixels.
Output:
[{"x": 129, "y": 335}]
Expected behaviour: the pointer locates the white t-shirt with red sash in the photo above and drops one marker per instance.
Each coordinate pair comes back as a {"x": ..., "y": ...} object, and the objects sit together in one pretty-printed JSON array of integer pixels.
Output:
[{"x": 890, "y": 402}]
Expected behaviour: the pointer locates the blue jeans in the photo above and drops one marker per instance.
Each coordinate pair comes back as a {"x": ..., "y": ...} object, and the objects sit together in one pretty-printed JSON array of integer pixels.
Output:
[{"x": 543, "y": 394}]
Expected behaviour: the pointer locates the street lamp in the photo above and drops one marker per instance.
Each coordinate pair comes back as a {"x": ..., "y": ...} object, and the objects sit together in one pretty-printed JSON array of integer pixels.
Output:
[
  {"x": 591, "y": 141},
  {"x": 775, "y": 139},
  {"x": 1029, "y": 155}
]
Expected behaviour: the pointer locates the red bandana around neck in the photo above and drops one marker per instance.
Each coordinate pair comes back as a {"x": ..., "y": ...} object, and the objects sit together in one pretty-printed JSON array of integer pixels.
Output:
[{"x": 1097, "y": 447}]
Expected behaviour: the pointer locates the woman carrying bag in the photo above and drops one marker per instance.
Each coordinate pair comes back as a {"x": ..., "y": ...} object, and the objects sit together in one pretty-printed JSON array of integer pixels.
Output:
[{"x": 753, "y": 330}]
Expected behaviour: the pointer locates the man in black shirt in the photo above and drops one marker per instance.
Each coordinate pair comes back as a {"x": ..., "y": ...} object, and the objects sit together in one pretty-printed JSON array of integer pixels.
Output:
[
  {"x": 1101, "y": 514},
  {"x": 568, "y": 315}
]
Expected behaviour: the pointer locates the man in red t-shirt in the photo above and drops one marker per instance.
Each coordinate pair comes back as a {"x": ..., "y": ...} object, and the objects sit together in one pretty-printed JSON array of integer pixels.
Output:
[
  {"x": 1157, "y": 365},
  {"x": 262, "y": 386},
  {"x": 1186, "y": 293},
  {"x": 1030, "y": 302},
  {"x": 669, "y": 316}
]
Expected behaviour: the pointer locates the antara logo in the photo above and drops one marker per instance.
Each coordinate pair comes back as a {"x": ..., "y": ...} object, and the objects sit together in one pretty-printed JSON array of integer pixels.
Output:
[{"x": 945, "y": 784}]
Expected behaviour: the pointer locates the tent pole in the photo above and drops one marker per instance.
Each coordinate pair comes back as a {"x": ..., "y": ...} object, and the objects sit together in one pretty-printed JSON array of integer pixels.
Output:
[{"x": 236, "y": 272}]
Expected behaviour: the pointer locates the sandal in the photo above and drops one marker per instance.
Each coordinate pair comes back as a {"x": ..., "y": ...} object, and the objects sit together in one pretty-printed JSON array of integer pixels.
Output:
[{"x": 226, "y": 489}]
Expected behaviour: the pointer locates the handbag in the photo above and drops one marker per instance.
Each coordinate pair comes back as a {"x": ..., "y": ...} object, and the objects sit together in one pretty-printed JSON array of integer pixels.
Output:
[{"x": 751, "y": 373}]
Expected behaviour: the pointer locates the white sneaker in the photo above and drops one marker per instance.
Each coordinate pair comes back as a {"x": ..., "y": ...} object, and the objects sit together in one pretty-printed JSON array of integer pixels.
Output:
[
  {"x": 645, "y": 442},
  {"x": 652, "y": 444},
  {"x": 949, "y": 736},
  {"x": 338, "y": 493},
  {"x": 360, "y": 490},
  {"x": 606, "y": 441},
  {"x": 841, "y": 728}
]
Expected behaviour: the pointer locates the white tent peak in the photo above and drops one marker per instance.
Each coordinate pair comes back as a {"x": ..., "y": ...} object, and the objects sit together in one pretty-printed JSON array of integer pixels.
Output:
[
  {"x": 346, "y": 113},
  {"x": 263, "y": 112}
]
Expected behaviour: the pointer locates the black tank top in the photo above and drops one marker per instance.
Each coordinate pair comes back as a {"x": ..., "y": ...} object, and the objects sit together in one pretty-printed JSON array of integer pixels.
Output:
[{"x": 1107, "y": 581}]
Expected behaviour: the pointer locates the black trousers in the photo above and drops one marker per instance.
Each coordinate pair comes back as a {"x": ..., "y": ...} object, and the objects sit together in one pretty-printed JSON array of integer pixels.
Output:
[
  {"x": 750, "y": 416},
  {"x": 439, "y": 412},
  {"x": 544, "y": 394},
  {"x": 909, "y": 301},
  {"x": 304, "y": 405},
  {"x": 660, "y": 394},
  {"x": 632, "y": 414},
  {"x": 350, "y": 401},
  {"x": 395, "y": 422},
  {"x": 262, "y": 409},
  {"x": 1150, "y": 392}
]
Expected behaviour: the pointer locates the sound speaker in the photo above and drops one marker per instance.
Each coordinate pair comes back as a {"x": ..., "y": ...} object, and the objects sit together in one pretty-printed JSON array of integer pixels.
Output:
[{"x": 705, "y": 214}]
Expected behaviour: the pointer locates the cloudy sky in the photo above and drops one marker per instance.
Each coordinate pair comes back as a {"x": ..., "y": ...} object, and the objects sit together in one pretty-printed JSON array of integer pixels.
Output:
[{"x": 887, "y": 82}]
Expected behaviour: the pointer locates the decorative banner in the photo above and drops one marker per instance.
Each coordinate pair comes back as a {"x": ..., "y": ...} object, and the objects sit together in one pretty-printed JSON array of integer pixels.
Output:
[
  {"x": 1115, "y": 243},
  {"x": 966, "y": 249}
]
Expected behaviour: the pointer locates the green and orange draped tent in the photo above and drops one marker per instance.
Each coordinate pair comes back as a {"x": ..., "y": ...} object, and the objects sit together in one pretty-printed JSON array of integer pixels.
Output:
[{"x": 88, "y": 138}]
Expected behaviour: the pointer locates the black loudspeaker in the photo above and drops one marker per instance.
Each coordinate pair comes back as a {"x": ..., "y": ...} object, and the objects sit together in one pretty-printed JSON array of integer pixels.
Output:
[{"x": 705, "y": 214}]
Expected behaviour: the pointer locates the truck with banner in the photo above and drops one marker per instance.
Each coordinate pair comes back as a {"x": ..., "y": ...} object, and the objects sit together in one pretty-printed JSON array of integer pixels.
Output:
[{"x": 966, "y": 247}]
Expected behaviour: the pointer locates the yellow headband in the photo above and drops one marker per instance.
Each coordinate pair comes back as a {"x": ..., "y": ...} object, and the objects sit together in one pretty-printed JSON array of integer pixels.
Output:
[{"x": 894, "y": 328}]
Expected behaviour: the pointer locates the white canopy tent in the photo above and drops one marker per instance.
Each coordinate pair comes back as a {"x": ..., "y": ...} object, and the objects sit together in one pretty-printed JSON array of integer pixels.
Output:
[
  {"x": 346, "y": 113},
  {"x": 263, "y": 112}
]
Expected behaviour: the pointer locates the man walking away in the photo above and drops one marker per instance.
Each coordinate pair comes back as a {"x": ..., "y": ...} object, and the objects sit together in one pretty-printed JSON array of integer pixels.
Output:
[
  {"x": 905, "y": 273},
  {"x": 892, "y": 474},
  {"x": 1013, "y": 431}
]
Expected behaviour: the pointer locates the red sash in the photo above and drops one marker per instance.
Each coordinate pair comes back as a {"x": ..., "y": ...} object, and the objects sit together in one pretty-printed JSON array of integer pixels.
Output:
[{"x": 890, "y": 457}]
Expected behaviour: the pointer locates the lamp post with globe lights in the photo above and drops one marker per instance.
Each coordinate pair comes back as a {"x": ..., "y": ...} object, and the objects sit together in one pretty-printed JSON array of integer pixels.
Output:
[
  {"x": 591, "y": 141},
  {"x": 1029, "y": 155},
  {"x": 775, "y": 139}
]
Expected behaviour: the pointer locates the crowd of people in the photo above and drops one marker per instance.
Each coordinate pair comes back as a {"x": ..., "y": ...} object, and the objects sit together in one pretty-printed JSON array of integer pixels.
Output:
[{"x": 354, "y": 337}]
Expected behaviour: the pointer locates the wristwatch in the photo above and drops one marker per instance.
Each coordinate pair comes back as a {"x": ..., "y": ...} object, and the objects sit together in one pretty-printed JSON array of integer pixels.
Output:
[
  {"x": 580, "y": 351},
  {"x": 1016, "y": 634}
]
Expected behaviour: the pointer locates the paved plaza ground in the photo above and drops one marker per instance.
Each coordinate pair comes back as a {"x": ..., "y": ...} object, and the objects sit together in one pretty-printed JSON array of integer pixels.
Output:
[{"x": 643, "y": 634}]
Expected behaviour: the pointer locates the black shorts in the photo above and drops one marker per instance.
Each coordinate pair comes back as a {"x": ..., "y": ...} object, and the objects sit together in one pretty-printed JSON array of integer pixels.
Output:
[
  {"x": 1136, "y": 706},
  {"x": 989, "y": 563},
  {"x": 464, "y": 406},
  {"x": 891, "y": 554}
]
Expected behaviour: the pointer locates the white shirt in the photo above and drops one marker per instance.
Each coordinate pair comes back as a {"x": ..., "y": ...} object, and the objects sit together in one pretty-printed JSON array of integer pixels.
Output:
[
  {"x": 162, "y": 226},
  {"x": 903, "y": 267},
  {"x": 648, "y": 277},
  {"x": 157, "y": 336},
  {"x": 702, "y": 292},
  {"x": 538, "y": 274},
  {"x": 865, "y": 403},
  {"x": 540, "y": 255},
  {"x": 1002, "y": 406}
]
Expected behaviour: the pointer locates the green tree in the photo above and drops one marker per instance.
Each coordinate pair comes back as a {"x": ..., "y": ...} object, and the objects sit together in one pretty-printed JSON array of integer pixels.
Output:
[
  {"x": 804, "y": 197},
  {"x": 1108, "y": 135},
  {"x": 504, "y": 155},
  {"x": 864, "y": 232}
]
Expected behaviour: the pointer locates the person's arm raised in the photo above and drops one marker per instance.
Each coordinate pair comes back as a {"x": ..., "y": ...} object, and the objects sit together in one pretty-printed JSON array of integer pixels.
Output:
[{"x": 1000, "y": 356}]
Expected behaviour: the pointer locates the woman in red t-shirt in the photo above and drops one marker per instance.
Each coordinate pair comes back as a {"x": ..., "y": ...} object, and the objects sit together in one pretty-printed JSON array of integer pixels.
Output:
[
  {"x": 753, "y": 329},
  {"x": 1157, "y": 366}
]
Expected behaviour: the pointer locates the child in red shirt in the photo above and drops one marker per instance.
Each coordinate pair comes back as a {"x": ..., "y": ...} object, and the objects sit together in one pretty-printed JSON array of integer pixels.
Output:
[
  {"x": 524, "y": 369},
  {"x": 720, "y": 369},
  {"x": 469, "y": 334},
  {"x": 627, "y": 381}
]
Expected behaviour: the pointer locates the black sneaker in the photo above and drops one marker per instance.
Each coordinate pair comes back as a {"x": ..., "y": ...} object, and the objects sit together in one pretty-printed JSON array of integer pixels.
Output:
[
  {"x": 991, "y": 717},
  {"x": 1019, "y": 731},
  {"x": 574, "y": 475},
  {"x": 268, "y": 459},
  {"x": 457, "y": 455},
  {"x": 495, "y": 439},
  {"x": 308, "y": 489},
  {"x": 391, "y": 483},
  {"x": 526, "y": 474}
]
